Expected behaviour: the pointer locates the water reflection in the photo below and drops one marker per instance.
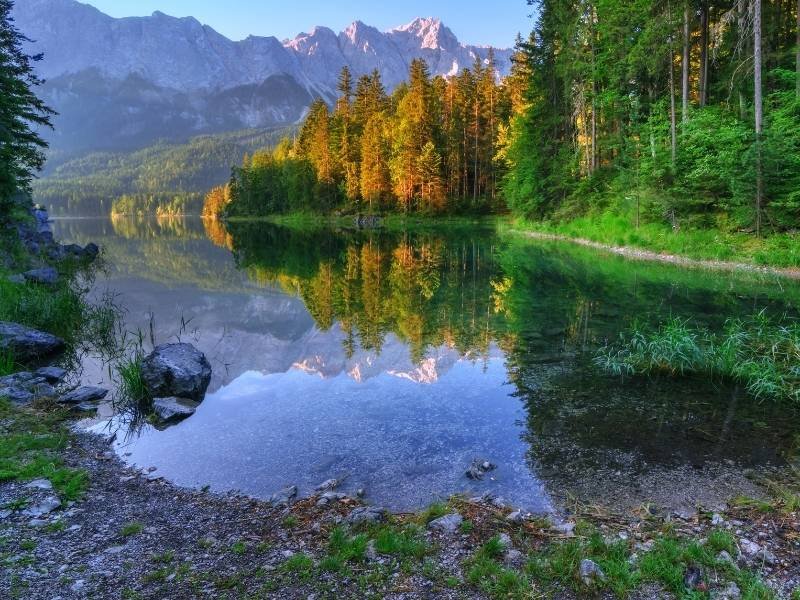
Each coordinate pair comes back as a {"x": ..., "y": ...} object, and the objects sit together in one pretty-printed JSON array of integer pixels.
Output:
[{"x": 396, "y": 357}]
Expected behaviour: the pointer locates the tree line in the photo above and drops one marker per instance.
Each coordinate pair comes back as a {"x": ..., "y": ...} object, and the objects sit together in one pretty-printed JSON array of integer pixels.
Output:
[
  {"x": 429, "y": 146},
  {"x": 680, "y": 111}
]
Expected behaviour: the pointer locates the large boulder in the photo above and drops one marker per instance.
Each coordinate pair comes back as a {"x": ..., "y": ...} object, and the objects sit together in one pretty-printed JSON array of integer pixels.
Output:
[
  {"x": 172, "y": 410},
  {"x": 176, "y": 370},
  {"x": 84, "y": 394},
  {"x": 28, "y": 344}
]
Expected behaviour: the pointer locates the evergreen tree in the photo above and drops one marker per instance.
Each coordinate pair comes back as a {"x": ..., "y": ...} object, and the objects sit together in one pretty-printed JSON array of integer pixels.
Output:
[{"x": 21, "y": 147}]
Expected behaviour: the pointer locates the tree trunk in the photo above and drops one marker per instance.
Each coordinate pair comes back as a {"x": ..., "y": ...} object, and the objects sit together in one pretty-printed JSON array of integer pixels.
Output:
[
  {"x": 685, "y": 65},
  {"x": 757, "y": 101},
  {"x": 595, "y": 158},
  {"x": 797, "y": 57},
  {"x": 703, "y": 79},
  {"x": 672, "y": 132},
  {"x": 740, "y": 10}
]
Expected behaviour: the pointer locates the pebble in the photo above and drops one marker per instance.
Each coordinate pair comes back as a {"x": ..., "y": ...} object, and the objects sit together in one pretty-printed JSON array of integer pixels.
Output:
[
  {"x": 515, "y": 517},
  {"x": 591, "y": 571}
]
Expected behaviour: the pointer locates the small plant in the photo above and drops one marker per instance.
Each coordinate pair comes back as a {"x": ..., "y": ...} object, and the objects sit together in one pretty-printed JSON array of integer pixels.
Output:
[
  {"x": 466, "y": 527},
  {"x": 300, "y": 565},
  {"x": 408, "y": 542},
  {"x": 434, "y": 511},
  {"x": 164, "y": 558},
  {"x": 130, "y": 529},
  {"x": 291, "y": 521},
  {"x": 239, "y": 548},
  {"x": 347, "y": 548}
]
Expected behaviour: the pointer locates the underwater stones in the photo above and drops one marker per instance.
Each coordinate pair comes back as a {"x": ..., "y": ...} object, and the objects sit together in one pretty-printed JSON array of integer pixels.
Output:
[
  {"x": 176, "y": 370},
  {"x": 172, "y": 410},
  {"x": 447, "y": 523},
  {"x": 28, "y": 344},
  {"x": 479, "y": 467}
]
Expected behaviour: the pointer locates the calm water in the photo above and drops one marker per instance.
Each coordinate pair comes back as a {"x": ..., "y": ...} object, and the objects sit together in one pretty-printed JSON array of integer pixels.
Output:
[{"x": 395, "y": 358}]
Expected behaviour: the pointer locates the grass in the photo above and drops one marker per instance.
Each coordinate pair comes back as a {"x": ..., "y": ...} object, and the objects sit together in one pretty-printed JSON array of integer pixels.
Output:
[
  {"x": 780, "y": 250},
  {"x": 30, "y": 442},
  {"x": 758, "y": 352},
  {"x": 301, "y": 565},
  {"x": 405, "y": 542},
  {"x": 130, "y": 529}
]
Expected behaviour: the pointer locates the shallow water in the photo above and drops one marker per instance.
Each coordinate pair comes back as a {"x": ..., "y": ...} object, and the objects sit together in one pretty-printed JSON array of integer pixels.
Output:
[{"x": 395, "y": 358}]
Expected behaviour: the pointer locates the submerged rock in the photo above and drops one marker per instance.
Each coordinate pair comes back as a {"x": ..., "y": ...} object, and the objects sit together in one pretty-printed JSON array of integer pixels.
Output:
[
  {"x": 176, "y": 370},
  {"x": 328, "y": 484},
  {"x": 28, "y": 344},
  {"x": 171, "y": 410},
  {"x": 83, "y": 395},
  {"x": 447, "y": 523},
  {"x": 479, "y": 467}
]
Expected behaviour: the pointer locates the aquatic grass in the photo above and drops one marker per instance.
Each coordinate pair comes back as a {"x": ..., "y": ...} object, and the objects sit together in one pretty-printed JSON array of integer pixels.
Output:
[{"x": 757, "y": 352}]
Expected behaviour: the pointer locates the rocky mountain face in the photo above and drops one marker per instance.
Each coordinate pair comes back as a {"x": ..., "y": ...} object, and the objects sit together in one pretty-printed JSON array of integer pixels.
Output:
[{"x": 122, "y": 83}]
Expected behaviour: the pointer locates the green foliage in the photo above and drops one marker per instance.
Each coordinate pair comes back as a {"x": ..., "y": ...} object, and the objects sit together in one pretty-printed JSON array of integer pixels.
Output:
[
  {"x": 130, "y": 529},
  {"x": 29, "y": 447},
  {"x": 408, "y": 542},
  {"x": 301, "y": 565},
  {"x": 21, "y": 114},
  {"x": 758, "y": 352}
]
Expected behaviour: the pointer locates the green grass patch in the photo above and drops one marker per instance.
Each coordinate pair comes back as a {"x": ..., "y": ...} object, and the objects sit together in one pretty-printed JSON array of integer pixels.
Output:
[
  {"x": 30, "y": 442},
  {"x": 407, "y": 542},
  {"x": 130, "y": 529},
  {"x": 301, "y": 565}
]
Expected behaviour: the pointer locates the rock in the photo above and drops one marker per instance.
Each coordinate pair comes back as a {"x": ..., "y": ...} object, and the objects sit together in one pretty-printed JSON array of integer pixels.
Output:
[
  {"x": 91, "y": 250},
  {"x": 17, "y": 278},
  {"x": 283, "y": 497},
  {"x": 328, "y": 484},
  {"x": 693, "y": 578},
  {"x": 749, "y": 548},
  {"x": 40, "y": 484},
  {"x": 505, "y": 539},
  {"x": 478, "y": 468},
  {"x": 43, "y": 390},
  {"x": 447, "y": 523},
  {"x": 329, "y": 497},
  {"x": 515, "y": 517},
  {"x": 766, "y": 557},
  {"x": 44, "y": 276},
  {"x": 16, "y": 395},
  {"x": 5, "y": 513},
  {"x": 590, "y": 572},
  {"x": 52, "y": 374},
  {"x": 716, "y": 519},
  {"x": 17, "y": 379},
  {"x": 566, "y": 528},
  {"x": 83, "y": 395},
  {"x": 177, "y": 370},
  {"x": 45, "y": 507},
  {"x": 513, "y": 558},
  {"x": 371, "y": 551},
  {"x": 731, "y": 592},
  {"x": 171, "y": 410},
  {"x": 361, "y": 492},
  {"x": 366, "y": 514},
  {"x": 28, "y": 344},
  {"x": 724, "y": 557}
]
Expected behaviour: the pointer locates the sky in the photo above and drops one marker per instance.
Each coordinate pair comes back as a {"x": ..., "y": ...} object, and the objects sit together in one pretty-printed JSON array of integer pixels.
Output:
[{"x": 495, "y": 23}]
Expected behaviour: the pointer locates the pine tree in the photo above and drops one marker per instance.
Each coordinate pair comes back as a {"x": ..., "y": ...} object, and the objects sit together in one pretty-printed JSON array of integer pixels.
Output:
[{"x": 21, "y": 147}]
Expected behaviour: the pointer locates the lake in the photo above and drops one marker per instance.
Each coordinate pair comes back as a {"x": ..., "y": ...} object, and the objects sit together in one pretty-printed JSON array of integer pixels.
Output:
[{"x": 394, "y": 358}]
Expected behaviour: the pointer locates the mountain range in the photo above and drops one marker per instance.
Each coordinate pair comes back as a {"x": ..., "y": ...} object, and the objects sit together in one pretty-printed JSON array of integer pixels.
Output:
[{"x": 121, "y": 84}]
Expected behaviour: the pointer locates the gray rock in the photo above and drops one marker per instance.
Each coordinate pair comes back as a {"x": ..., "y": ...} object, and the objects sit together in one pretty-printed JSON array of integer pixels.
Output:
[
  {"x": 52, "y": 374},
  {"x": 515, "y": 517},
  {"x": 44, "y": 276},
  {"x": 731, "y": 592},
  {"x": 171, "y": 410},
  {"x": 28, "y": 344},
  {"x": 371, "y": 551},
  {"x": 5, "y": 513},
  {"x": 17, "y": 278},
  {"x": 91, "y": 250},
  {"x": 591, "y": 572},
  {"x": 16, "y": 395},
  {"x": 40, "y": 484},
  {"x": 43, "y": 390},
  {"x": 283, "y": 497},
  {"x": 83, "y": 395},
  {"x": 566, "y": 528},
  {"x": 45, "y": 507},
  {"x": 505, "y": 539},
  {"x": 693, "y": 577},
  {"x": 724, "y": 557},
  {"x": 330, "y": 497},
  {"x": 716, "y": 519},
  {"x": 328, "y": 484},
  {"x": 513, "y": 558},
  {"x": 17, "y": 379},
  {"x": 366, "y": 514},
  {"x": 749, "y": 548},
  {"x": 447, "y": 523},
  {"x": 179, "y": 370},
  {"x": 766, "y": 557}
]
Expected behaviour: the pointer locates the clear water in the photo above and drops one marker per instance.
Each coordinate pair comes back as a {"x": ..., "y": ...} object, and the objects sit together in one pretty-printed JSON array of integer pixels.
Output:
[{"x": 394, "y": 358}]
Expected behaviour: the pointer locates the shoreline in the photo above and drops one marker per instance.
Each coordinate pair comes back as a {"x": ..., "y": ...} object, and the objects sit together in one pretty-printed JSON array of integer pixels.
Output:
[{"x": 634, "y": 253}]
